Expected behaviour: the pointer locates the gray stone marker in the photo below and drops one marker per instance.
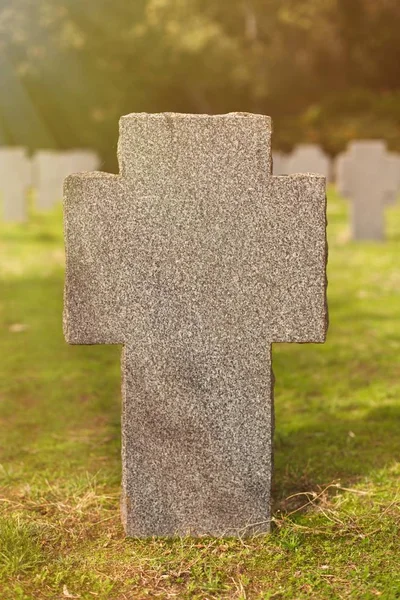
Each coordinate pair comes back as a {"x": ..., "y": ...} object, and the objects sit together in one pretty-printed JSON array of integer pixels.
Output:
[
  {"x": 195, "y": 259},
  {"x": 14, "y": 183},
  {"x": 51, "y": 167},
  {"x": 368, "y": 175},
  {"x": 309, "y": 158}
]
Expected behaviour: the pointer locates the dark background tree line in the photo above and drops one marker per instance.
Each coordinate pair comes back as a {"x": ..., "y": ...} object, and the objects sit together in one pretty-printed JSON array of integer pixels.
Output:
[{"x": 327, "y": 71}]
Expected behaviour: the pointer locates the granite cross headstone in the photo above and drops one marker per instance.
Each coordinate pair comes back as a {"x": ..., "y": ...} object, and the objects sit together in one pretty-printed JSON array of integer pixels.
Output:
[
  {"x": 368, "y": 175},
  {"x": 15, "y": 180},
  {"x": 309, "y": 158},
  {"x": 195, "y": 259}
]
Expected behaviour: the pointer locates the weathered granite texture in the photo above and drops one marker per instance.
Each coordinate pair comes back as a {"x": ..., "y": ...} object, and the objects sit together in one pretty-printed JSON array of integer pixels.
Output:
[
  {"x": 196, "y": 259},
  {"x": 15, "y": 179},
  {"x": 369, "y": 176}
]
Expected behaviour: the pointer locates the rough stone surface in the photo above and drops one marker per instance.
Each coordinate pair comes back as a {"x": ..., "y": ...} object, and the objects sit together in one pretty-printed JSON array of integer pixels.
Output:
[
  {"x": 51, "y": 167},
  {"x": 14, "y": 182},
  {"x": 369, "y": 176},
  {"x": 309, "y": 158},
  {"x": 195, "y": 259}
]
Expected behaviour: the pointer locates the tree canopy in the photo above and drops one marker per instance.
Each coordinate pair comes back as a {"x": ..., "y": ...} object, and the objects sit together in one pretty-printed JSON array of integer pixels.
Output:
[{"x": 325, "y": 70}]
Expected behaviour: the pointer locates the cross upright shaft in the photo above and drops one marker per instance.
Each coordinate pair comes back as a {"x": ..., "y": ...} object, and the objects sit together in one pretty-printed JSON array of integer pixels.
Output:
[{"x": 196, "y": 259}]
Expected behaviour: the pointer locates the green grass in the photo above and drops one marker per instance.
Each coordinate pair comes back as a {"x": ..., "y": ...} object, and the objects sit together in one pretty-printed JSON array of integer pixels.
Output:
[{"x": 337, "y": 452}]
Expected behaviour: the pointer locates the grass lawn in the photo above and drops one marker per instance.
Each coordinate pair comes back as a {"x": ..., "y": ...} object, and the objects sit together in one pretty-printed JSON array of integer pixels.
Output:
[{"x": 337, "y": 450}]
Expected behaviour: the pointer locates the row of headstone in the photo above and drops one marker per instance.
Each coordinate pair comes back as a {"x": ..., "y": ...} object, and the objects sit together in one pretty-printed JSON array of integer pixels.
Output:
[
  {"x": 44, "y": 172},
  {"x": 367, "y": 174}
]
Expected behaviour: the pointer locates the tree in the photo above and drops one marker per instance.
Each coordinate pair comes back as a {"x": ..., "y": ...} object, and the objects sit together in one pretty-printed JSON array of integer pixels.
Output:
[{"x": 325, "y": 70}]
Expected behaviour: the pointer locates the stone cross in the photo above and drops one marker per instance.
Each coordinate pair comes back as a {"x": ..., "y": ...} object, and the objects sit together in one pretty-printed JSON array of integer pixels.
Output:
[
  {"x": 368, "y": 175},
  {"x": 309, "y": 158},
  {"x": 14, "y": 183},
  {"x": 195, "y": 259},
  {"x": 51, "y": 167}
]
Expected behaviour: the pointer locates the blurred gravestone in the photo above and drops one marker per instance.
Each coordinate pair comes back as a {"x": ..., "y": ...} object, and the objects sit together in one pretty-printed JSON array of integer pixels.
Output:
[
  {"x": 15, "y": 179},
  {"x": 309, "y": 158},
  {"x": 46, "y": 178},
  {"x": 368, "y": 175},
  {"x": 195, "y": 259},
  {"x": 279, "y": 163},
  {"x": 51, "y": 167},
  {"x": 79, "y": 161}
]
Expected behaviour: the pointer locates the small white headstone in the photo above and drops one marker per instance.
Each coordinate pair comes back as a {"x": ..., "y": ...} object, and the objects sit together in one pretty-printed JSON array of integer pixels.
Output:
[
  {"x": 51, "y": 167},
  {"x": 47, "y": 177},
  {"x": 369, "y": 176},
  {"x": 14, "y": 182},
  {"x": 82, "y": 161},
  {"x": 169, "y": 259},
  {"x": 309, "y": 158},
  {"x": 279, "y": 163}
]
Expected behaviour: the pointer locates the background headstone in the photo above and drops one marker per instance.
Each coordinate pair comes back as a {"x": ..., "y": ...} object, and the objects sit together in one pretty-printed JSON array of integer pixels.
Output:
[
  {"x": 368, "y": 175},
  {"x": 394, "y": 161},
  {"x": 195, "y": 259},
  {"x": 309, "y": 158},
  {"x": 80, "y": 161},
  {"x": 279, "y": 163},
  {"x": 46, "y": 178},
  {"x": 51, "y": 167},
  {"x": 15, "y": 179}
]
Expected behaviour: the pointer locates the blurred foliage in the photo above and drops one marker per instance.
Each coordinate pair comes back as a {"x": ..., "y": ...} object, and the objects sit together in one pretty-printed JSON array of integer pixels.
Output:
[{"x": 325, "y": 70}]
